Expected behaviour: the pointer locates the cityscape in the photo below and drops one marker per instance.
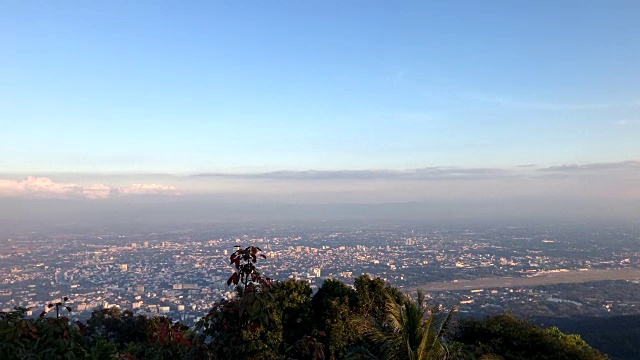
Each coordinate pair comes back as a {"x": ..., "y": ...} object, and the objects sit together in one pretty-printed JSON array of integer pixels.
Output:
[{"x": 529, "y": 270}]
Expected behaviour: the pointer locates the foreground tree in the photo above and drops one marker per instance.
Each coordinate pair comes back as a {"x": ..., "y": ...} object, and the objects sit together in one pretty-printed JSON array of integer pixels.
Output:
[
  {"x": 293, "y": 303},
  {"x": 114, "y": 333},
  {"x": 333, "y": 307},
  {"x": 41, "y": 338},
  {"x": 411, "y": 331},
  {"x": 509, "y": 338},
  {"x": 246, "y": 327},
  {"x": 373, "y": 295}
]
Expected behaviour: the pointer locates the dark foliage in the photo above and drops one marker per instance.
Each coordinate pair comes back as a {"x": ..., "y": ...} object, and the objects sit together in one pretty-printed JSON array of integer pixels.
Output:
[
  {"x": 120, "y": 327},
  {"x": 333, "y": 305},
  {"x": 373, "y": 296},
  {"x": 511, "y": 338},
  {"x": 42, "y": 338},
  {"x": 294, "y": 304},
  {"x": 617, "y": 336}
]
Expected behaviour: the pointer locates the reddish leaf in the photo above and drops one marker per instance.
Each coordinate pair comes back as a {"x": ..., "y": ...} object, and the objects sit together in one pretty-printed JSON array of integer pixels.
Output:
[
  {"x": 127, "y": 356},
  {"x": 255, "y": 327}
]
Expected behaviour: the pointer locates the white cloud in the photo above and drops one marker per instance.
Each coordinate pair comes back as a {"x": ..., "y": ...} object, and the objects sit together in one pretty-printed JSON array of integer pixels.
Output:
[
  {"x": 44, "y": 187},
  {"x": 37, "y": 186},
  {"x": 9, "y": 187},
  {"x": 96, "y": 191}
]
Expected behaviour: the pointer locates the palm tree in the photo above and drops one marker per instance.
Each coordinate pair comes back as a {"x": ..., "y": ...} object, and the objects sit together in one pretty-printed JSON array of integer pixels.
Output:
[{"x": 411, "y": 331}]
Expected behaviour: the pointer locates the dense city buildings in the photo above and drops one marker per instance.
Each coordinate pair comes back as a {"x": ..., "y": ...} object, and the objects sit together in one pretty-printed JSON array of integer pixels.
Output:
[{"x": 183, "y": 273}]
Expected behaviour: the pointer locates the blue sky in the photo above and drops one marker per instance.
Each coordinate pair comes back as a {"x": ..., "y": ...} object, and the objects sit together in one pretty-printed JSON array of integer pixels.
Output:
[{"x": 181, "y": 88}]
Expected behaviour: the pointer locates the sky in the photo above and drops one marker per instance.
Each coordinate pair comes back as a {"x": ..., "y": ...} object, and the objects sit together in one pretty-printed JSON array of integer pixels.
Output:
[{"x": 320, "y": 101}]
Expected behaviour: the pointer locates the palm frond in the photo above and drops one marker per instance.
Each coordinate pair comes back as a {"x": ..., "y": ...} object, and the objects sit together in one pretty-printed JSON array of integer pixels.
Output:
[{"x": 410, "y": 332}]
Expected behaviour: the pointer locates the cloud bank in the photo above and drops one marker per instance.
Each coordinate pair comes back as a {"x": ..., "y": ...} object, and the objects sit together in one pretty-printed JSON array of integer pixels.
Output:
[
  {"x": 427, "y": 173},
  {"x": 595, "y": 180},
  {"x": 596, "y": 167},
  {"x": 44, "y": 187},
  {"x": 572, "y": 192}
]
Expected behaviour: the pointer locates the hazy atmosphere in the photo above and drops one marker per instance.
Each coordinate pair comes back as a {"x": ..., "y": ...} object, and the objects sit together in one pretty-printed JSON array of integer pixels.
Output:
[{"x": 203, "y": 111}]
